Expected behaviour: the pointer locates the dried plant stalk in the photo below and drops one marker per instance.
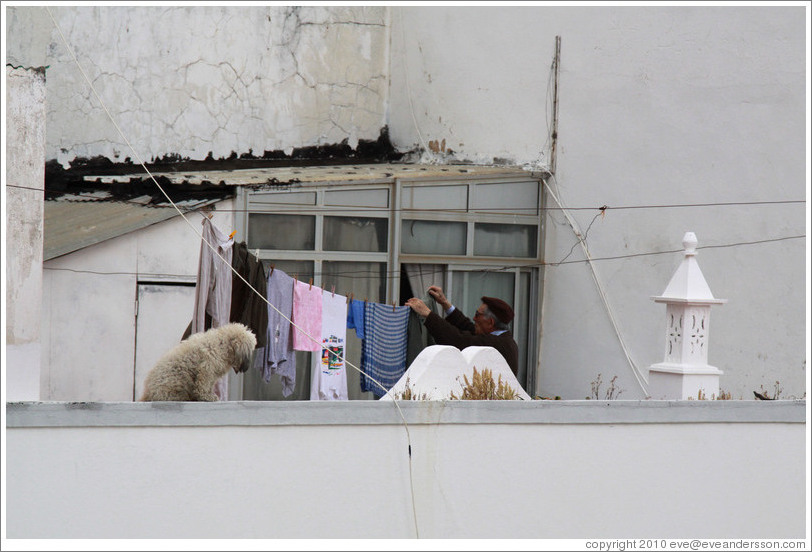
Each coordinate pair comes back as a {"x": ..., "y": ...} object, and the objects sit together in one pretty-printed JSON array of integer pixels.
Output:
[
  {"x": 409, "y": 394},
  {"x": 482, "y": 387}
]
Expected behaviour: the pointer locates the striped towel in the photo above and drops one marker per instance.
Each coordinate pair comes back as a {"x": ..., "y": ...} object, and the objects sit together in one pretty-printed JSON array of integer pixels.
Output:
[{"x": 384, "y": 351}]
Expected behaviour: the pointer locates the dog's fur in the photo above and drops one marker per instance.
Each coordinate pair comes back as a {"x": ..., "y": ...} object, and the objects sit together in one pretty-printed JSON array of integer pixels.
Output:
[{"x": 189, "y": 370}]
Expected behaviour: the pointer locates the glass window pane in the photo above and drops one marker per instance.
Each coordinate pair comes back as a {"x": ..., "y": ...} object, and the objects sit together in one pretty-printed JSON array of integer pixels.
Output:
[
  {"x": 288, "y": 232},
  {"x": 505, "y": 240},
  {"x": 363, "y": 280},
  {"x": 431, "y": 237},
  {"x": 469, "y": 288},
  {"x": 520, "y": 198},
  {"x": 301, "y": 270},
  {"x": 355, "y": 234},
  {"x": 358, "y": 198},
  {"x": 435, "y": 197},
  {"x": 259, "y": 199}
]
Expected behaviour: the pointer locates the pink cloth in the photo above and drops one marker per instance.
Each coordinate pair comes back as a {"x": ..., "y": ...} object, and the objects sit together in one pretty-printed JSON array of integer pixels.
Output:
[{"x": 307, "y": 316}]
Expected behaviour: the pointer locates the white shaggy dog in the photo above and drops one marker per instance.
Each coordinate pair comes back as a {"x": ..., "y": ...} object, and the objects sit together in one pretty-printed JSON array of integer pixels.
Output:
[{"x": 189, "y": 370}]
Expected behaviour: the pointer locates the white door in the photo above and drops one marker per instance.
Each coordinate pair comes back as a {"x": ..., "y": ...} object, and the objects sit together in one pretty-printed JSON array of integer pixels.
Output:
[{"x": 164, "y": 312}]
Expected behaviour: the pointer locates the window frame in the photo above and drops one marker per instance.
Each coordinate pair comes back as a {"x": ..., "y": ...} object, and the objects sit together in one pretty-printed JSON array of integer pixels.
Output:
[{"x": 396, "y": 211}]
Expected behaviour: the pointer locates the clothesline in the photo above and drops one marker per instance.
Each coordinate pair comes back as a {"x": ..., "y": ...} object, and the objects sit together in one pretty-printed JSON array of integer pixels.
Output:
[
  {"x": 349, "y": 296},
  {"x": 293, "y": 316}
]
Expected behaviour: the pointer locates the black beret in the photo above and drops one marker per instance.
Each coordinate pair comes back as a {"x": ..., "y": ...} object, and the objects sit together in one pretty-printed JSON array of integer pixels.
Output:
[{"x": 499, "y": 308}]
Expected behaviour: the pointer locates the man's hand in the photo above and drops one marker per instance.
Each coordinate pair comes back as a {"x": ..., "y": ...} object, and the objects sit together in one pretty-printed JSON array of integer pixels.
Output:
[
  {"x": 418, "y": 306},
  {"x": 439, "y": 296}
]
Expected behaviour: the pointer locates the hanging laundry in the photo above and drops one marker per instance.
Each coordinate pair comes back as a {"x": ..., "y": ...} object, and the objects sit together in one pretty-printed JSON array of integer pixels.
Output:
[
  {"x": 418, "y": 335},
  {"x": 415, "y": 337},
  {"x": 307, "y": 316},
  {"x": 279, "y": 356},
  {"x": 213, "y": 288},
  {"x": 246, "y": 306},
  {"x": 384, "y": 348},
  {"x": 328, "y": 380},
  {"x": 355, "y": 317}
]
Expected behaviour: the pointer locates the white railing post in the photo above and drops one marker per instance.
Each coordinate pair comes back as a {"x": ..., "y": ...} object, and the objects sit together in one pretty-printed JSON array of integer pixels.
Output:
[{"x": 685, "y": 373}]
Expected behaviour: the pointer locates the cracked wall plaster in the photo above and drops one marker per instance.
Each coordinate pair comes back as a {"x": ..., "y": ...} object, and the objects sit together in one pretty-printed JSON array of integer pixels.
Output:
[
  {"x": 25, "y": 132},
  {"x": 194, "y": 81}
]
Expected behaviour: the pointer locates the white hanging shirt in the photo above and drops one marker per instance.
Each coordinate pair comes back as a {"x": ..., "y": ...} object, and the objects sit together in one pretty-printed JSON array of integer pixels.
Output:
[{"x": 328, "y": 380}]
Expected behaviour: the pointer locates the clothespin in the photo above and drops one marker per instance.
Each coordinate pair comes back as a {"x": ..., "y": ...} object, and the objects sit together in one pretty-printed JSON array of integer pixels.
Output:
[
  {"x": 206, "y": 212},
  {"x": 296, "y": 277},
  {"x": 365, "y": 299},
  {"x": 311, "y": 283},
  {"x": 394, "y": 304},
  {"x": 333, "y": 290},
  {"x": 231, "y": 236},
  {"x": 272, "y": 266},
  {"x": 349, "y": 298}
]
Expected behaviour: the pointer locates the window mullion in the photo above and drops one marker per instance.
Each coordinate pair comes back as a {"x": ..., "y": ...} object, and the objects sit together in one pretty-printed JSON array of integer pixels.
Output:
[{"x": 394, "y": 241}]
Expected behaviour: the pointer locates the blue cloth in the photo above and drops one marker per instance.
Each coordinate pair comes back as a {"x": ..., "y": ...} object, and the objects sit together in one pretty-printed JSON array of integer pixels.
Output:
[
  {"x": 384, "y": 350},
  {"x": 355, "y": 317}
]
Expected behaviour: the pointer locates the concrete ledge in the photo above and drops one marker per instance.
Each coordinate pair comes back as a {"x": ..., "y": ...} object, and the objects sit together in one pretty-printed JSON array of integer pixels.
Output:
[{"x": 307, "y": 413}]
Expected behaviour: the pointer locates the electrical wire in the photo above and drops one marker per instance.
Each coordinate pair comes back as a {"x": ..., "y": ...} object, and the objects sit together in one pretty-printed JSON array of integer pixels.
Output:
[
  {"x": 491, "y": 210},
  {"x": 500, "y": 210},
  {"x": 585, "y": 235},
  {"x": 582, "y": 240},
  {"x": 390, "y": 274},
  {"x": 214, "y": 250}
]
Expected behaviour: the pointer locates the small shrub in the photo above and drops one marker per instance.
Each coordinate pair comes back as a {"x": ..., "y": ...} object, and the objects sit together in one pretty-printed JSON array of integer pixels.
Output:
[
  {"x": 723, "y": 396},
  {"x": 409, "y": 393},
  {"x": 612, "y": 392},
  {"x": 482, "y": 387},
  {"x": 777, "y": 389}
]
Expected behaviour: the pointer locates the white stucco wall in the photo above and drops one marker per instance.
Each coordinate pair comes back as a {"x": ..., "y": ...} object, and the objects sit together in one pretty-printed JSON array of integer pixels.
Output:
[
  {"x": 89, "y": 316},
  {"x": 658, "y": 105},
  {"x": 480, "y": 469},
  {"x": 189, "y": 81},
  {"x": 23, "y": 205}
]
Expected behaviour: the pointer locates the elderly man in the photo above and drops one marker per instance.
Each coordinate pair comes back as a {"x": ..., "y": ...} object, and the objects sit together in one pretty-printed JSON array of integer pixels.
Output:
[{"x": 489, "y": 328}]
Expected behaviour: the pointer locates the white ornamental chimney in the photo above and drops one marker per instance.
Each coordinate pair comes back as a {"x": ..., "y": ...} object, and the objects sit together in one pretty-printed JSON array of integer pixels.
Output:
[{"x": 685, "y": 373}]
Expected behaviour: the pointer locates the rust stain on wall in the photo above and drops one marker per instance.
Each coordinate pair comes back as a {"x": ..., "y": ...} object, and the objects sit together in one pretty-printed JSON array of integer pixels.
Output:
[{"x": 436, "y": 146}]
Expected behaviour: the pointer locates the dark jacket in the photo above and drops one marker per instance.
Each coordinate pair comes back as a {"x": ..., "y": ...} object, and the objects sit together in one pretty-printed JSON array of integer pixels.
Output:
[
  {"x": 457, "y": 330},
  {"x": 246, "y": 306}
]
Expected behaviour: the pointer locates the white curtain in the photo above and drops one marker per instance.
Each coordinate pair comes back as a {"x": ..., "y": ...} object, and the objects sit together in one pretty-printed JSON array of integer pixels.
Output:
[{"x": 421, "y": 276}]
